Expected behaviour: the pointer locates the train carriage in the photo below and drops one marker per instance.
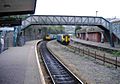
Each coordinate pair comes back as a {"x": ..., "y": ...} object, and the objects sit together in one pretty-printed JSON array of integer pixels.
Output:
[
  {"x": 63, "y": 39},
  {"x": 49, "y": 37}
]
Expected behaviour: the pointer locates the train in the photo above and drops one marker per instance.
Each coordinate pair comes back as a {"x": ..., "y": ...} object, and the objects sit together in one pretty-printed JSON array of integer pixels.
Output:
[
  {"x": 63, "y": 39},
  {"x": 49, "y": 37}
]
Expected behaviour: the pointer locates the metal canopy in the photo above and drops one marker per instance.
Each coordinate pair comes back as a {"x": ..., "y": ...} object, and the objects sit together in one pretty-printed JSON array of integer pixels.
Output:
[{"x": 17, "y": 7}]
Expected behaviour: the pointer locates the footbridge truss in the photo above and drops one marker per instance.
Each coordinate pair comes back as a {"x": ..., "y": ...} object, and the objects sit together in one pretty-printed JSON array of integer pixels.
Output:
[{"x": 72, "y": 20}]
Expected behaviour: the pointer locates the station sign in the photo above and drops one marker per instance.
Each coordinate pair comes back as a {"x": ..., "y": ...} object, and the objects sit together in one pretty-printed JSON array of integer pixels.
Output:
[{"x": 10, "y": 22}]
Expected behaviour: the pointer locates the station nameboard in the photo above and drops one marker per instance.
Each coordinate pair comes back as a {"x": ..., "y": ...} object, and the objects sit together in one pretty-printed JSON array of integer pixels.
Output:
[
  {"x": 10, "y": 22},
  {"x": 17, "y": 7}
]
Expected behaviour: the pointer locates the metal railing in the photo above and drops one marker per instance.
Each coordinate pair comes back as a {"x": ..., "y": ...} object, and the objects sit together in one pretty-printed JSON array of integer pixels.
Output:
[{"x": 114, "y": 61}]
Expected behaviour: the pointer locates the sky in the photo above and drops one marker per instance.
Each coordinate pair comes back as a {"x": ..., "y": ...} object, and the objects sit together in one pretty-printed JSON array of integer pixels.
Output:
[{"x": 104, "y": 8}]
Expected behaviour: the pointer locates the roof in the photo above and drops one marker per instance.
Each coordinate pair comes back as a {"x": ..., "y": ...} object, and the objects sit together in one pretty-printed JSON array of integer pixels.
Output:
[
  {"x": 17, "y": 7},
  {"x": 90, "y": 29}
]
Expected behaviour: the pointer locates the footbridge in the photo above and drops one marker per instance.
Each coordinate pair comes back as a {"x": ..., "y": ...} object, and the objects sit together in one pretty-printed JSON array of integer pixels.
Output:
[{"x": 73, "y": 20}]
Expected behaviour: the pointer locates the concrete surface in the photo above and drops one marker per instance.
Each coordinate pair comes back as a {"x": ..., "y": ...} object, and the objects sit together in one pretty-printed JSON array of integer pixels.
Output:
[{"x": 18, "y": 65}]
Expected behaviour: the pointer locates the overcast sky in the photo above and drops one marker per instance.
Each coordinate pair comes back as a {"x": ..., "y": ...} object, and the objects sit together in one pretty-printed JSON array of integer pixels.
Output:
[{"x": 105, "y": 8}]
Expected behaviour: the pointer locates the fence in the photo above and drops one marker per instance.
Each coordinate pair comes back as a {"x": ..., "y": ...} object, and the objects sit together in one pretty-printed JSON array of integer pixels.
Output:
[{"x": 95, "y": 55}]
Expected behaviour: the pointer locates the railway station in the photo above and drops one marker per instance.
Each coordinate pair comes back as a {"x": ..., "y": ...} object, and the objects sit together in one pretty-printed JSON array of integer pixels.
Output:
[{"x": 56, "y": 49}]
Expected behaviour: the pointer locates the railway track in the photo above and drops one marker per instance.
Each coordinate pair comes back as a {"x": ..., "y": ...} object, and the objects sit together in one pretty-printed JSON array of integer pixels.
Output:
[{"x": 58, "y": 72}]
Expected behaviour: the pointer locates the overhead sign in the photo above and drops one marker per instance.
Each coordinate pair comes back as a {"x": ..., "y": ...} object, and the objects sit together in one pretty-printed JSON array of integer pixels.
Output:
[
  {"x": 10, "y": 22},
  {"x": 17, "y": 7}
]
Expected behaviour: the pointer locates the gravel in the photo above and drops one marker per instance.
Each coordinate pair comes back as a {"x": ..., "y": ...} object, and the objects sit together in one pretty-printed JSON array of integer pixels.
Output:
[
  {"x": 99, "y": 51},
  {"x": 86, "y": 68}
]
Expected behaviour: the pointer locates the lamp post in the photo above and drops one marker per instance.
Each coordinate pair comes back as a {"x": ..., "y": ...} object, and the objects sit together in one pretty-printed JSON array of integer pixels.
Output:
[{"x": 96, "y": 13}]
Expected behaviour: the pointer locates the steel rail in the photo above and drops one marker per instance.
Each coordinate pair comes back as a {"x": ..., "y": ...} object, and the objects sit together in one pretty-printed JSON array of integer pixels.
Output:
[{"x": 57, "y": 71}]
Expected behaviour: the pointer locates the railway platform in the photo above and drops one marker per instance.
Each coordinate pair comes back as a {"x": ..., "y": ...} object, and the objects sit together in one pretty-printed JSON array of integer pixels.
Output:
[
  {"x": 18, "y": 65},
  {"x": 95, "y": 44}
]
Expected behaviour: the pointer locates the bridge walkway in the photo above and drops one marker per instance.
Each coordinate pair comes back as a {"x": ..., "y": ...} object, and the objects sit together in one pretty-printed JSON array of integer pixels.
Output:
[{"x": 104, "y": 24}]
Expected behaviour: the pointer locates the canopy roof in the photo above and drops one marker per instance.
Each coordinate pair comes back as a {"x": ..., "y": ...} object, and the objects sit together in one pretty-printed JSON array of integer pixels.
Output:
[
  {"x": 17, "y": 7},
  {"x": 90, "y": 29}
]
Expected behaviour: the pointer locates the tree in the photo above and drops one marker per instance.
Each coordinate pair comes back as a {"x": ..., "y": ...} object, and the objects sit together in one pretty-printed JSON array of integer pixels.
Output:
[{"x": 55, "y": 29}]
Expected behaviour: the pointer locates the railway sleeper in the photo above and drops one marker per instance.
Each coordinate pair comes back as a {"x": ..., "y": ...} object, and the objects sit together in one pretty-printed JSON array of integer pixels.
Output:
[
  {"x": 66, "y": 82},
  {"x": 64, "y": 78},
  {"x": 64, "y": 75}
]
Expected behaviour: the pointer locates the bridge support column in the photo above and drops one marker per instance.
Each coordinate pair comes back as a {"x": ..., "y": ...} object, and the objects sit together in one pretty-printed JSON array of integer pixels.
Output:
[
  {"x": 111, "y": 37},
  {"x": 15, "y": 36},
  {"x": 111, "y": 40}
]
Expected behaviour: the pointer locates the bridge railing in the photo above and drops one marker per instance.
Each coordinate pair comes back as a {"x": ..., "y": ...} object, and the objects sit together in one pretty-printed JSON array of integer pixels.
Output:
[
  {"x": 116, "y": 29},
  {"x": 65, "y": 20}
]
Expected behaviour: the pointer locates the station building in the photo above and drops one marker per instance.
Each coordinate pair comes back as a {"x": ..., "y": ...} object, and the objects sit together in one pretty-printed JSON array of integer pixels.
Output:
[{"x": 93, "y": 33}]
